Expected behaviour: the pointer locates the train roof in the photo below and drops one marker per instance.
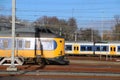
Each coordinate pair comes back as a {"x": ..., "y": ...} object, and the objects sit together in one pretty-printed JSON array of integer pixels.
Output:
[
  {"x": 78, "y": 42},
  {"x": 30, "y": 32},
  {"x": 89, "y": 42}
]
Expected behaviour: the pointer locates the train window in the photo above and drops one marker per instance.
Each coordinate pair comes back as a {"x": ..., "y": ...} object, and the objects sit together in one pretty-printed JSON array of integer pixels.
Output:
[
  {"x": 83, "y": 48},
  {"x": 20, "y": 43},
  {"x": 5, "y": 43},
  {"x": 74, "y": 48},
  {"x": 118, "y": 49},
  {"x": 104, "y": 48},
  {"x": 68, "y": 47},
  {"x": 86, "y": 48},
  {"x": 89, "y": 48},
  {"x": 97, "y": 48},
  {"x": 114, "y": 49},
  {"x": 1, "y": 44},
  {"x": 111, "y": 48},
  {"x": 47, "y": 45},
  {"x": 77, "y": 48},
  {"x": 27, "y": 44},
  {"x": 15, "y": 43}
]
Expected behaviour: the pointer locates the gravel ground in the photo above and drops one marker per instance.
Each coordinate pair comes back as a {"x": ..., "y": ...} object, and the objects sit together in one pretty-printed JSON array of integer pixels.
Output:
[
  {"x": 40, "y": 78},
  {"x": 34, "y": 78}
]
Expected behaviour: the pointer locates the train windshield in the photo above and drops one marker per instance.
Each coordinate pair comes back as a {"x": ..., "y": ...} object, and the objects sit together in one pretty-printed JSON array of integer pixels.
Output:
[{"x": 47, "y": 44}]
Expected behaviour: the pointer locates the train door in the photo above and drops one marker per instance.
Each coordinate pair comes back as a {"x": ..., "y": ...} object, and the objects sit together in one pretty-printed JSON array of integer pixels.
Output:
[
  {"x": 76, "y": 49},
  {"x": 112, "y": 50}
]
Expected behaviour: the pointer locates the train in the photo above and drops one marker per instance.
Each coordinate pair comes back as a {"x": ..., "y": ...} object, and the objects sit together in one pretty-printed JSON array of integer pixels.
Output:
[
  {"x": 92, "y": 48},
  {"x": 37, "y": 45}
]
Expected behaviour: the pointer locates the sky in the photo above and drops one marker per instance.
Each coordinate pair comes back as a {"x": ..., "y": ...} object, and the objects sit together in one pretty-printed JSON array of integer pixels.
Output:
[{"x": 84, "y": 11}]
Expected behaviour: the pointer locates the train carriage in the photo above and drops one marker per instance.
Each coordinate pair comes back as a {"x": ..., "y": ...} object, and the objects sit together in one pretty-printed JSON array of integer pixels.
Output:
[
  {"x": 110, "y": 48},
  {"x": 92, "y": 48},
  {"x": 78, "y": 48},
  {"x": 35, "y": 46}
]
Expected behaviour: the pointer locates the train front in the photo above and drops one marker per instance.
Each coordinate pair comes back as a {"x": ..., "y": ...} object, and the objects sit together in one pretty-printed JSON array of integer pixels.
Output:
[{"x": 52, "y": 48}]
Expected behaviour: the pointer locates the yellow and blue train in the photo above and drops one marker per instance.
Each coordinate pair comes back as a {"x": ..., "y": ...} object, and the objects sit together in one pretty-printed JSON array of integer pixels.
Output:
[
  {"x": 92, "y": 48},
  {"x": 39, "y": 45}
]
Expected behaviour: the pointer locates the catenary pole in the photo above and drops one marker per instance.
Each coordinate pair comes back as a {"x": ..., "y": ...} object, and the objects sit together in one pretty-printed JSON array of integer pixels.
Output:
[
  {"x": 12, "y": 66},
  {"x": 13, "y": 32}
]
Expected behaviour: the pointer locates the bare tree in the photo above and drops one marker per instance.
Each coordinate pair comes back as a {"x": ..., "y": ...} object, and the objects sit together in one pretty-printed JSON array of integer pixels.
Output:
[
  {"x": 116, "y": 29},
  {"x": 117, "y": 19},
  {"x": 66, "y": 27},
  {"x": 88, "y": 35}
]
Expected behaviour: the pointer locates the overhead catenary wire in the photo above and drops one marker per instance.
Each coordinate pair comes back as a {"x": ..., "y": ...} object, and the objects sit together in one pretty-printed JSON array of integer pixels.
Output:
[{"x": 80, "y": 14}]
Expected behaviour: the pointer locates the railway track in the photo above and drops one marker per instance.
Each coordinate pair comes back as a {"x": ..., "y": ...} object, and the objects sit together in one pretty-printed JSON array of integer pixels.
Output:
[
  {"x": 61, "y": 73},
  {"x": 90, "y": 69},
  {"x": 95, "y": 58},
  {"x": 74, "y": 66}
]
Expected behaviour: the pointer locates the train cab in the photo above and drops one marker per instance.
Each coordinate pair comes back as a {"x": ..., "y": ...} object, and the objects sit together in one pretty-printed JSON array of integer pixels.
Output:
[{"x": 92, "y": 48}]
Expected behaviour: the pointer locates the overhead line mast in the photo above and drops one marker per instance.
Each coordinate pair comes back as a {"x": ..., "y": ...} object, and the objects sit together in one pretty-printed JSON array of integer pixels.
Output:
[{"x": 12, "y": 66}]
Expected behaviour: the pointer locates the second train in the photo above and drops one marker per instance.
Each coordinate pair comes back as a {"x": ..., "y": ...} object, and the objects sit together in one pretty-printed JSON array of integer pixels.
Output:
[{"x": 92, "y": 48}]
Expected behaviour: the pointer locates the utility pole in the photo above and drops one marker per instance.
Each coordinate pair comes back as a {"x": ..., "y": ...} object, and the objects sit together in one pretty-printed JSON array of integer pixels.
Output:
[
  {"x": 75, "y": 36},
  {"x": 60, "y": 33},
  {"x": 12, "y": 66},
  {"x": 92, "y": 32},
  {"x": 102, "y": 27}
]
